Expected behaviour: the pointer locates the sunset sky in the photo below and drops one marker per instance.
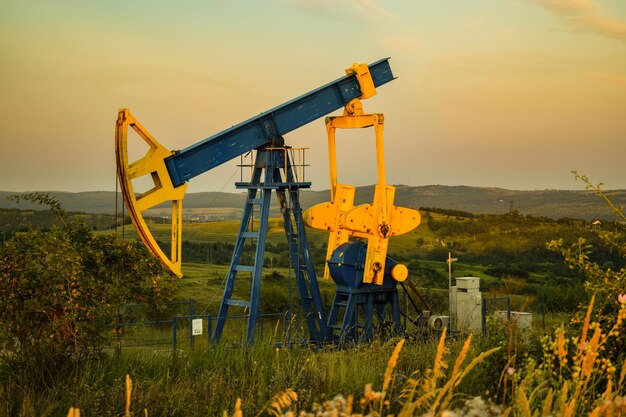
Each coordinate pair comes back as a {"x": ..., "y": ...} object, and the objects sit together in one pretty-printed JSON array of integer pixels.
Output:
[{"x": 500, "y": 93}]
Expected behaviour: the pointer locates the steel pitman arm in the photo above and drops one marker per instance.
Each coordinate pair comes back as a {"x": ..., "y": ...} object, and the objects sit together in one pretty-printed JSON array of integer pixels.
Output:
[
  {"x": 375, "y": 222},
  {"x": 169, "y": 171}
]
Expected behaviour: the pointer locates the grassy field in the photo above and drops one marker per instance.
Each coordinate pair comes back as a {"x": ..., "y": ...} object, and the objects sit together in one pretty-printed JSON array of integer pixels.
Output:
[
  {"x": 204, "y": 282},
  {"x": 528, "y": 373},
  {"x": 490, "y": 376},
  {"x": 227, "y": 231}
]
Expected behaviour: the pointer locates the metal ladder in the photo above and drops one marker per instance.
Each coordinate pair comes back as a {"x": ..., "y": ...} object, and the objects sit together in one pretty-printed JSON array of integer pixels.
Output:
[
  {"x": 268, "y": 164},
  {"x": 302, "y": 262}
]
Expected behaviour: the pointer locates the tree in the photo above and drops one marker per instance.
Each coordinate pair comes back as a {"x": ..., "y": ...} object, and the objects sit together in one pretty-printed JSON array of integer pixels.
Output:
[{"x": 59, "y": 289}]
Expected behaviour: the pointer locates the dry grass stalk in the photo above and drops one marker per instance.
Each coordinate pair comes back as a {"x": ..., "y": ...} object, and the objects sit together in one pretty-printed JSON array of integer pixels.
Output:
[
  {"x": 591, "y": 354},
  {"x": 439, "y": 364},
  {"x": 445, "y": 394},
  {"x": 349, "y": 405},
  {"x": 438, "y": 398},
  {"x": 460, "y": 359},
  {"x": 583, "y": 336},
  {"x": 279, "y": 402},
  {"x": 238, "y": 412},
  {"x": 547, "y": 403},
  {"x": 621, "y": 376},
  {"x": 74, "y": 412},
  {"x": 391, "y": 365},
  {"x": 523, "y": 402},
  {"x": 129, "y": 390},
  {"x": 427, "y": 385}
]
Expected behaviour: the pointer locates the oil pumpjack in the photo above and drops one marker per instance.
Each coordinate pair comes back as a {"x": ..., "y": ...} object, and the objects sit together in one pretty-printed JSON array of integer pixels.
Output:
[{"x": 366, "y": 277}]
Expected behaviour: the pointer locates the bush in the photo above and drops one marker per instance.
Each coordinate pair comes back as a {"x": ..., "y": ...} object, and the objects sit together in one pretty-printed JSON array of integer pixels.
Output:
[
  {"x": 606, "y": 285},
  {"x": 59, "y": 290}
]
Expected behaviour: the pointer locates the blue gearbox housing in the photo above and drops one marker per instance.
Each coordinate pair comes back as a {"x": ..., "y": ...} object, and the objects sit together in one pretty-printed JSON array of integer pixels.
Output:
[{"x": 346, "y": 266}]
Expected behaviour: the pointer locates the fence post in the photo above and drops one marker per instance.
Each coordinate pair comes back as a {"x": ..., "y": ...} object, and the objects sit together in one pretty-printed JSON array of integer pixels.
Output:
[
  {"x": 209, "y": 329},
  {"x": 174, "y": 321},
  {"x": 484, "y": 318},
  {"x": 508, "y": 308},
  {"x": 191, "y": 336},
  {"x": 192, "y": 313}
]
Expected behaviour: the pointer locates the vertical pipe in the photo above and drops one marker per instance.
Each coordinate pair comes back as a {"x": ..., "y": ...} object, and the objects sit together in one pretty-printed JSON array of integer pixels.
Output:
[
  {"x": 332, "y": 157},
  {"x": 450, "y": 322},
  {"x": 301, "y": 159},
  {"x": 380, "y": 164}
]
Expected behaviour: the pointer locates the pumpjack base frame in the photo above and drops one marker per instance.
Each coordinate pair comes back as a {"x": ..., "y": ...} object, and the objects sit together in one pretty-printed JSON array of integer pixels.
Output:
[{"x": 356, "y": 326}]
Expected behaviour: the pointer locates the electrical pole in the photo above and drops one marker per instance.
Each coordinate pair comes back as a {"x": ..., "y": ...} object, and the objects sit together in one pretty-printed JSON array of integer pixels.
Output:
[{"x": 450, "y": 260}]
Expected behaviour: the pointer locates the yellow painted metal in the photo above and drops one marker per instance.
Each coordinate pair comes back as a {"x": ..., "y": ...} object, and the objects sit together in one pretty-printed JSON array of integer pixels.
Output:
[
  {"x": 363, "y": 76},
  {"x": 399, "y": 272},
  {"x": 330, "y": 216},
  {"x": 151, "y": 164},
  {"x": 377, "y": 221}
]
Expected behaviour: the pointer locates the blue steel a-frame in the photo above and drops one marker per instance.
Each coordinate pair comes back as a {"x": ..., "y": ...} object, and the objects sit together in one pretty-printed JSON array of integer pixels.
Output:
[{"x": 273, "y": 172}]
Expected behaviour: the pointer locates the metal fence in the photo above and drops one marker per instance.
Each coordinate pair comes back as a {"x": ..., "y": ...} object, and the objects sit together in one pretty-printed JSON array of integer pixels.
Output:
[{"x": 185, "y": 332}]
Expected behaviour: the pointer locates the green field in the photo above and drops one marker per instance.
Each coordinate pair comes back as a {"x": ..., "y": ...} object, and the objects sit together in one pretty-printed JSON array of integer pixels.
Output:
[{"x": 508, "y": 253}]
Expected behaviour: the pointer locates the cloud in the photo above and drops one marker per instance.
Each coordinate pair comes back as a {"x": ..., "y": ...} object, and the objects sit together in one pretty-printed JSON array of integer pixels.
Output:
[
  {"x": 582, "y": 15},
  {"x": 350, "y": 10},
  {"x": 613, "y": 79},
  {"x": 606, "y": 27},
  {"x": 568, "y": 7}
]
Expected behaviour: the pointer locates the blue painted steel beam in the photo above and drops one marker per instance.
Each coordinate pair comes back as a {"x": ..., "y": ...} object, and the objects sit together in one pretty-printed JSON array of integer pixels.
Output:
[{"x": 258, "y": 131}]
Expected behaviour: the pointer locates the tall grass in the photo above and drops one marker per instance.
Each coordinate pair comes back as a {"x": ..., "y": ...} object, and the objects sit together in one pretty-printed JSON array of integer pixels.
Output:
[
  {"x": 575, "y": 377},
  {"x": 569, "y": 375},
  {"x": 206, "y": 381}
]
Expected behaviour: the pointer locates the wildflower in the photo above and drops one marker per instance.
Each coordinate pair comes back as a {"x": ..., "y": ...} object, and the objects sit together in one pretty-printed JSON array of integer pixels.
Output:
[
  {"x": 621, "y": 298},
  {"x": 510, "y": 370}
]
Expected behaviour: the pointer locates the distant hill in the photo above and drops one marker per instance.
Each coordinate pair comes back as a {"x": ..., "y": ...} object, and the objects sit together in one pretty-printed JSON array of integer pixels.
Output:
[{"x": 555, "y": 204}]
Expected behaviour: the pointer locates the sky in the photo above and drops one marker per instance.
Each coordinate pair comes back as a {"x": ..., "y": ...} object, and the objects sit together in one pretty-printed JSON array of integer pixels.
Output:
[{"x": 496, "y": 93}]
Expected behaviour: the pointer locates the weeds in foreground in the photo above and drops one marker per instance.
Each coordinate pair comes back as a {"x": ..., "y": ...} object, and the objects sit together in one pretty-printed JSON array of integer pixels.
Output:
[{"x": 575, "y": 378}]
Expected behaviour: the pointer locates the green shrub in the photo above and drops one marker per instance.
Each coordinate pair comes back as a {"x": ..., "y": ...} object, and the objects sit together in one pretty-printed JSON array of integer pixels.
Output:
[{"x": 59, "y": 289}]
